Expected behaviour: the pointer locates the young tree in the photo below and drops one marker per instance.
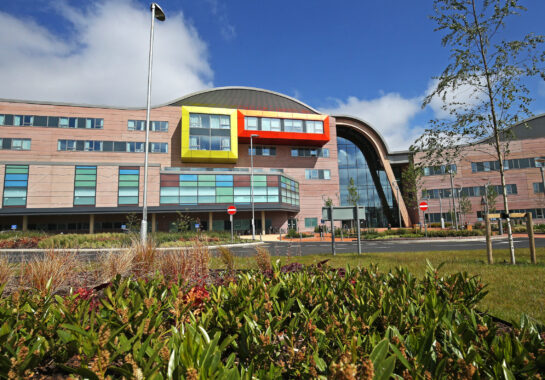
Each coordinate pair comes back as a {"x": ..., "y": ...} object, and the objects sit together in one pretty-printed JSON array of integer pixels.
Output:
[
  {"x": 465, "y": 204},
  {"x": 492, "y": 76},
  {"x": 353, "y": 195}
]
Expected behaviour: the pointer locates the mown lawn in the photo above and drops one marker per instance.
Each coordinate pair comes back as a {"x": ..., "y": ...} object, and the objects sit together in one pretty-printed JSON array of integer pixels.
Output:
[{"x": 513, "y": 290}]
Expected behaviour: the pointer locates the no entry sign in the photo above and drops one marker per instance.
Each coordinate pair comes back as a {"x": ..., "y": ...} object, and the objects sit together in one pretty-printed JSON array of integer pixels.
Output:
[
  {"x": 423, "y": 206},
  {"x": 231, "y": 210}
]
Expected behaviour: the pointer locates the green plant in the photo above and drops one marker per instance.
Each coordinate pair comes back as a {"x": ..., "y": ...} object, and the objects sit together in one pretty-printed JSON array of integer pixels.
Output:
[
  {"x": 227, "y": 258},
  {"x": 49, "y": 273},
  {"x": 263, "y": 259}
]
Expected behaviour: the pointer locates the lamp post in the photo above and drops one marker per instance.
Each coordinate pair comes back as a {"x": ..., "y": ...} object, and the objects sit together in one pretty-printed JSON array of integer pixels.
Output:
[
  {"x": 156, "y": 13},
  {"x": 252, "y": 181},
  {"x": 458, "y": 191}
]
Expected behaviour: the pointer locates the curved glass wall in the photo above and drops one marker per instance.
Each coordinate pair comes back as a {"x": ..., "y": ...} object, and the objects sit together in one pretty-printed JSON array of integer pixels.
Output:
[{"x": 353, "y": 164}]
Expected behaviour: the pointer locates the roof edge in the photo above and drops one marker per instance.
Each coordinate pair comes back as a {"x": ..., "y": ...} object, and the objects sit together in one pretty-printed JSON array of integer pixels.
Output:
[{"x": 169, "y": 103}]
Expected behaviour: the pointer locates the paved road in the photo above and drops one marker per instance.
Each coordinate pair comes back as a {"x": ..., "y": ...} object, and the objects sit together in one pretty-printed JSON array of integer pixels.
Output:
[{"x": 324, "y": 247}]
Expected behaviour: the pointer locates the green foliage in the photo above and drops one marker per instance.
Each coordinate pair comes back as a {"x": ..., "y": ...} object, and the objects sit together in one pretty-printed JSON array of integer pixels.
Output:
[
  {"x": 411, "y": 178},
  {"x": 183, "y": 221},
  {"x": 311, "y": 323},
  {"x": 133, "y": 222},
  {"x": 293, "y": 234},
  {"x": 353, "y": 195}
]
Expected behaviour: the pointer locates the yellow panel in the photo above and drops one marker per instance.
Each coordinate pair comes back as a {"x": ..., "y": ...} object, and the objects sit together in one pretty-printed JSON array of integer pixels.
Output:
[{"x": 212, "y": 156}]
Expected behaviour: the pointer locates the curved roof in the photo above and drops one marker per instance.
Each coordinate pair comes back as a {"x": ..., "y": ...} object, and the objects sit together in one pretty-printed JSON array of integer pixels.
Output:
[
  {"x": 223, "y": 97},
  {"x": 243, "y": 98}
]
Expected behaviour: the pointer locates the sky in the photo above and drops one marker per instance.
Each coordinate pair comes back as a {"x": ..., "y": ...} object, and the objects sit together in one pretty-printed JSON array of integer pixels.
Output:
[{"x": 371, "y": 59}]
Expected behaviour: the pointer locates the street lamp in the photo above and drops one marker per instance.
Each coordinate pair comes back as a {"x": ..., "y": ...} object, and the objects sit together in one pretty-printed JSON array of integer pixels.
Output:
[
  {"x": 252, "y": 181},
  {"x": 458, "y": 191},
  {"x": 156, "y": 13}
]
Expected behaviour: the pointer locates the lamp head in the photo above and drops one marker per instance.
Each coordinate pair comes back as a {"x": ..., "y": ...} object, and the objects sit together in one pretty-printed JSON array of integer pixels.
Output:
[{"x": 159, "y": 14}]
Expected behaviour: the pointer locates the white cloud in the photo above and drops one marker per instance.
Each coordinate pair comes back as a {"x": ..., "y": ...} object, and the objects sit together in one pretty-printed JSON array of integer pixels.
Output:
[
  {"x": 390, "y": 115},
  {"x": 458, "y": 98},
  {"x": 105, "y": 59}
]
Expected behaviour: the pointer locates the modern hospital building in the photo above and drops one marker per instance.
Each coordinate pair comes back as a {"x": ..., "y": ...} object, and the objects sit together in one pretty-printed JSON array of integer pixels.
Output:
[{"x": 80, "y": 168}]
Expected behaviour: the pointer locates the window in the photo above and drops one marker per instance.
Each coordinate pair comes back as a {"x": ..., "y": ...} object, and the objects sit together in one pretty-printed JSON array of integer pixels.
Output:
[
  {"x": 292, "y": 125},
  {"x": 85, "y": 185},
  {"x": 250, "y": 123},
  {"x": 209, "y": 132},
  {"x": 311, "y": 222},
  {"x": 15, "y": 186},
  {"x": 440, "y": 169},
  {"x": 317, "y": 174},
  {"x": 140, "y": 125},
  {"x": 14, "y": 144},
  {"x": 538, "y": 187},
  {"x": 263, "y": 151},
  {"x": 158, "y": 147},
  {"x": 310, "y": 152},
  {"x": 136, "y": 147},
  {"x": 128, "y": 185},
  {"x": 314, "y": 126}
]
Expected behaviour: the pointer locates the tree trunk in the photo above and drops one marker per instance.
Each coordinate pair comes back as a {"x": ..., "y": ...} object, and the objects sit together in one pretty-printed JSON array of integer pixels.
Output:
[{"x": 497, "y": 142}]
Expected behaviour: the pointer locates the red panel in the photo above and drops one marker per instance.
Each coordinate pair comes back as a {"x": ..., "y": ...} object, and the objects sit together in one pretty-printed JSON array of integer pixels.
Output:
[
  {"x": 170, "y": 177},
  {"x": 272, "y": 181},
  {"x": 238, "y": 177},
  {"x": 283, "y": 138}
]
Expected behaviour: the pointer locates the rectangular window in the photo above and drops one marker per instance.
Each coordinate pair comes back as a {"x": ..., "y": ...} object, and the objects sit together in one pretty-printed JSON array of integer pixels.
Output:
[
  {"x": 140, "y": 125},
  {"x": 15, "y": 186},
  {"x": 311, "y": 222},
  {"x": 129, "y": 178},
  {"x": 317, "y": 174},
  {"x": 310, "y": 152},
  {"x": 209, "y": 132},
  {"x": 15, "y": 144},
  {"x": 250, "y": 123},
  {"x": 85, "y": 182},
  {"x": 538, "y": 187},
  {"x": 263, "y": 151},
  {"x": 158, "y": 147}
]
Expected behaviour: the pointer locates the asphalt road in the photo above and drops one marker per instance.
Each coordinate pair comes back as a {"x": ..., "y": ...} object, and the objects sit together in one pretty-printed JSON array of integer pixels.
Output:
[{"x": 324, "y": 247}]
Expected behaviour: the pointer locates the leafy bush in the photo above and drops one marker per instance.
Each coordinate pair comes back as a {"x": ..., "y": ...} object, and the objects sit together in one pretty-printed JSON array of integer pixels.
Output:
[
  {"x": 293, "y": 234},
  {"x": 309, "y": 323}
]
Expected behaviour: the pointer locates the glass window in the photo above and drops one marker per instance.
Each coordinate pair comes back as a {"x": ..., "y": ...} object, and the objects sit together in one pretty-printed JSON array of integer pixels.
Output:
[
  {"x": 128, "y": 185},
  {"x": 15, "y": 185},
  {"x": 2, "y": 119},
  {"x": 85, "y": 186},
  {"x": 311, "y": 222},
  {"x": 250, "y": 123}
]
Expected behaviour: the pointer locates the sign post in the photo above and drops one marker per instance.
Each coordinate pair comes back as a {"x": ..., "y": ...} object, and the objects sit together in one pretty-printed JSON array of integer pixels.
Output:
[
  {"x": 232, "y": 210},
  {"x": 424, "y": 206}
]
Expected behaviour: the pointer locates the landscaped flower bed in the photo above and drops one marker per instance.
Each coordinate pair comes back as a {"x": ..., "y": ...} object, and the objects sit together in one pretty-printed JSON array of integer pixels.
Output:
[{"x": 296, "y": 322}]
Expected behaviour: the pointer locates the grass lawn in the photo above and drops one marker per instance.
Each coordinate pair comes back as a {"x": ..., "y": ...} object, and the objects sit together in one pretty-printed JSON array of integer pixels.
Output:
[{"x": 513, "y": 290}]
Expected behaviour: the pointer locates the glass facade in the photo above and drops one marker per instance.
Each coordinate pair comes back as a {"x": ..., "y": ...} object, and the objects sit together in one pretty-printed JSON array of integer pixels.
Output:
[
  {"x": 353, "y": 164},
  {"x": 194, "y": 189},
  {"x": 51, "y": 121},
  {"x": 15, "y": 185},
  {"x": 252, "y": 123}
]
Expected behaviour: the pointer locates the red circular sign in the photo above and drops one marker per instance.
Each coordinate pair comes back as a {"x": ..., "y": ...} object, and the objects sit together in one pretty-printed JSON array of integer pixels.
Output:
[
  {"x": 232, "y": 210},
  {"x": 423, "y": 206}
]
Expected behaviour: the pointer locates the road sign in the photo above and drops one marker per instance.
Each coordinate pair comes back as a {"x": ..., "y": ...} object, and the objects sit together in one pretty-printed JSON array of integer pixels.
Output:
[
  {"x": 423, "y": 206},
  {"x": 197, "y": 225},
  {"x": 232, "y": 210}
]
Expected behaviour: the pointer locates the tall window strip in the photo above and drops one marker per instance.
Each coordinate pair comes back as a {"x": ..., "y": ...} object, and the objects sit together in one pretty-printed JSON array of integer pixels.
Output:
[
  {"x": 252, "y": 123},
  {"x": 15, "y": 186},
  {"x": 51, "y": 121},
  {"x": 140, "y": 125},
  {"x": 85, "y": 186},
  {"x": 14, "y": 144},
  {"x": 109, "y": 146},
  {"x": 195, "y": 189},
  {"x": 129, "y": 178}
]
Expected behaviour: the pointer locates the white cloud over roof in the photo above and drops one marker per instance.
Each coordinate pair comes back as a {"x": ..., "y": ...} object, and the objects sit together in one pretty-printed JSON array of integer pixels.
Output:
[{"x": 104, "y": 61}]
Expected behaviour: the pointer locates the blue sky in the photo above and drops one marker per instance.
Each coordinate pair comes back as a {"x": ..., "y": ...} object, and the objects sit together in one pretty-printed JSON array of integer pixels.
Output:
[{"x": 371, "y": 59}]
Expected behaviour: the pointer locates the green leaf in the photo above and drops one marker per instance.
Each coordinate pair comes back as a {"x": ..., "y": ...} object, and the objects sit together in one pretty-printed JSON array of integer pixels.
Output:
[
  {"x": 385, "y": 368},
  {"x": 379, "y": 352}
]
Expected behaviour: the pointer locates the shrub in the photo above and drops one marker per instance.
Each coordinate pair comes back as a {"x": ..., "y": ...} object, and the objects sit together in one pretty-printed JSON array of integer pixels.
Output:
[
  {"x": 113, "y": 264},
  {"x": 50, "y": 273},
  {"x": 263, "y": 259},
  {"x": 227, "y": 258}
]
